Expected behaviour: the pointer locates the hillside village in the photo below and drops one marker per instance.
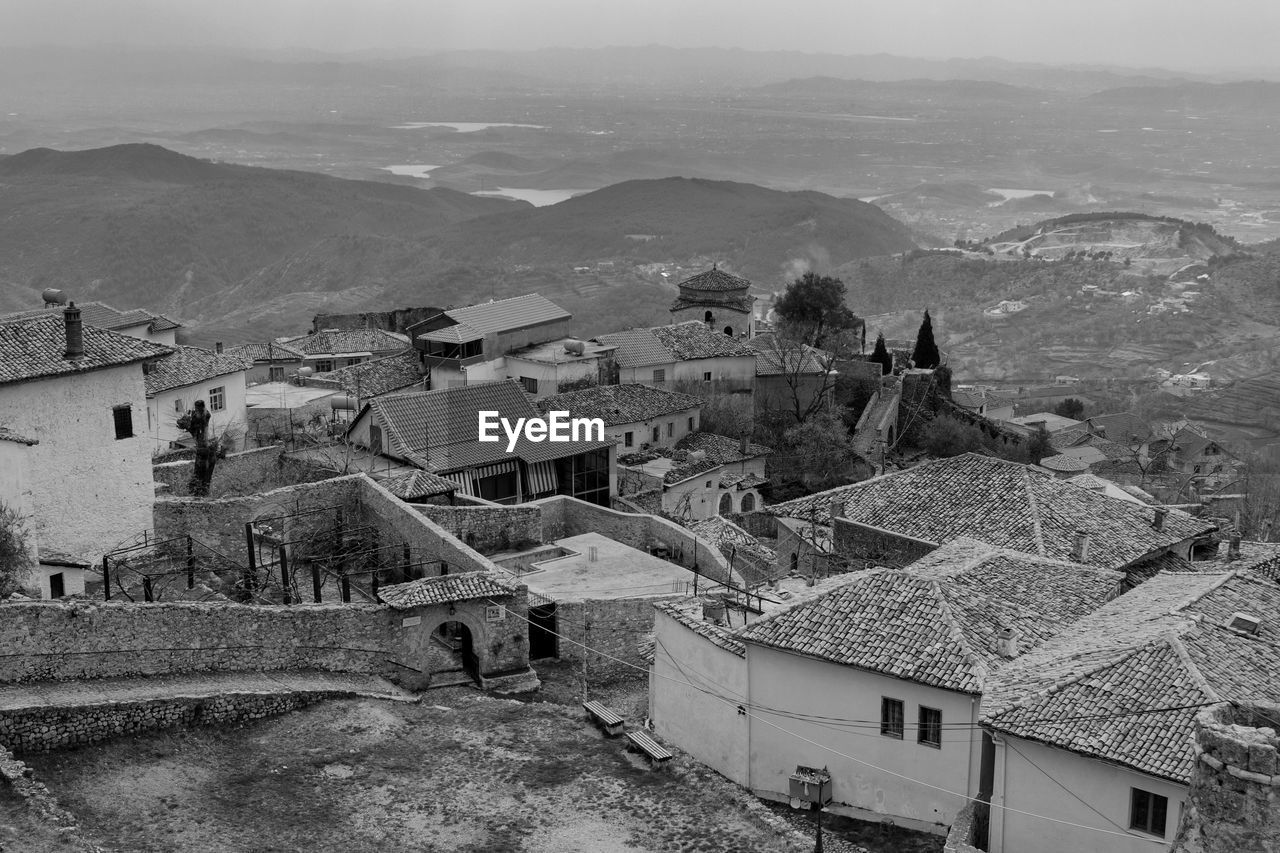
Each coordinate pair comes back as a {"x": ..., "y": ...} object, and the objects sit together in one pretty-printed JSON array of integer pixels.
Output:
[{"x": 817, "y": 554}]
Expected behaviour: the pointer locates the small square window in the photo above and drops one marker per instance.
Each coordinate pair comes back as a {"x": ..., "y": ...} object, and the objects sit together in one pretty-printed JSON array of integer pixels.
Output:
[
  {"x": 891, "y": 716},
  {"x": 1148, "y": 812},
  {"x": 929, "y": 732},
  {"x": 177, "y": 406},
  {"x": 628, "y": 439},
  {"x": 217, "y": 398},
  {"x": 706, "y": 377},
  {"x": 275, "y": 374},
  {"x": 660, "y": 376},
  {"x": 123, "y": 417},
  {"x": 324, "y": 365}
]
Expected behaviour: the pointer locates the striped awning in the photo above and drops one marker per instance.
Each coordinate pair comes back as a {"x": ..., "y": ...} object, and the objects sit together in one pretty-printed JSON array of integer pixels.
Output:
[
  {"x": 494, "y": 470},
  {"x": 463, "y": 479},
  {"x": 542, "y": 477}
]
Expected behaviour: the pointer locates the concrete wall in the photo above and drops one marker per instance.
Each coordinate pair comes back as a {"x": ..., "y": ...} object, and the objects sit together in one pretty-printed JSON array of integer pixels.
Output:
[
  {"x": 80, "y": 468},
  {"x": 710, "y": 730},
  {"x": 1031, "y": 777},
  {"x": 676, "y": 423},
  {"x": 735, "y": 370},
  {"x": 801, "y": 685}
]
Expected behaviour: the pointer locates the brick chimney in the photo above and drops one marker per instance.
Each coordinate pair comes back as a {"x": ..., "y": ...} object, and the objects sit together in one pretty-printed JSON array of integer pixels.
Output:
[
  {"x": 75, "y": 332},
  {"x": 1007, "y": 642},
  {"x": 1080, "y": 547},
  {"x": 1161, "y": 514}
]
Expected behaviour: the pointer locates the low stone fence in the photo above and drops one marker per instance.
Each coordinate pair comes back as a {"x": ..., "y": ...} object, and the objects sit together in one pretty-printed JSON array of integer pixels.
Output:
[{"x": 961, "y": 835}]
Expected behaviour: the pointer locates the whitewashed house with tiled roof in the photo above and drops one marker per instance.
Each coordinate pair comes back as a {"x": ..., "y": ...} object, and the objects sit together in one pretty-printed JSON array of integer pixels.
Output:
[
  {"x": 683, "y": 355},
  {"x": 878, "y": 676},
  {"x": 190, "y": 374},
  {"x": 77, "y": 393}
]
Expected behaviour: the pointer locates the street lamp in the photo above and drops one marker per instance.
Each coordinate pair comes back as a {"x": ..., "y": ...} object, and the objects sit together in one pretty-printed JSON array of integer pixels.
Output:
[{"x": 812, "y": 786}]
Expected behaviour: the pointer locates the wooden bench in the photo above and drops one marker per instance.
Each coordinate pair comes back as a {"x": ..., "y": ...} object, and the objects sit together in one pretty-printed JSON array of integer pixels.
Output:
[
  {"x": 610, "y": 722},
  {"x": 658, "y": 754}
]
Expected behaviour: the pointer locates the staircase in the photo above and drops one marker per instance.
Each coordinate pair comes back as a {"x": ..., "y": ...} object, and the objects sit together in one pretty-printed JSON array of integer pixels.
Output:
[{"x": 867, "y": 435}]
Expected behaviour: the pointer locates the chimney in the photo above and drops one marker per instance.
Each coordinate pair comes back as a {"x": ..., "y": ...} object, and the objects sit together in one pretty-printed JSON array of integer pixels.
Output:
[
  {"x": 1007, "y": 643},
  {"x": 1233, "y": 547},
  {"x": 742, "y": 446},
  {"x": 1080, "y": 547},
  {"x": 75, "y": 332},
  {"x": 1161, "y": 513},
  {"x": 217, "y": 347},
  {"x": 837, "y": 508}
]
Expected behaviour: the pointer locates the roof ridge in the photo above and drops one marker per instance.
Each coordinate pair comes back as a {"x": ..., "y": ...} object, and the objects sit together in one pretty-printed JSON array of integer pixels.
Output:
[
  {"x": 1035, "y": 511},
  {"x": 981, "y": 670},
  {"x": 1220, "y": 579},
  {"x": 1180, "y": 649},
  {"x": 804, "y": 599}
]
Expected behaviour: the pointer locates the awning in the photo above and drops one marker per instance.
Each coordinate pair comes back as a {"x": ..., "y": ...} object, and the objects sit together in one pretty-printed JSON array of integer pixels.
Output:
[
  {"x": 494, "y": 470},
  {"x": 542, "y": 477},
  {"x": 463, "y": 479}
]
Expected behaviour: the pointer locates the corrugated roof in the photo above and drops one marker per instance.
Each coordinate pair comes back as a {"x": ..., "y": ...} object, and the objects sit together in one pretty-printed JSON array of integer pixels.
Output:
[
  {"x": 936, "y": 621},
  {"x": 1163, "y": 645},
  {"x": 1004, "y": 503},
  {"x": 466, "y": 586},
  {"x": 189, "y": 366},
  {"x": 32, "y": 349},
  {"x": 504, "y": 315},
  {"x": 620, "y": 404}
]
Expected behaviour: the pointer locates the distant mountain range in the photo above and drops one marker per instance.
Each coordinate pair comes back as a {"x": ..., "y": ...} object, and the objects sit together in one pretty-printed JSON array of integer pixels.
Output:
[{"x": 248, "y": 252}]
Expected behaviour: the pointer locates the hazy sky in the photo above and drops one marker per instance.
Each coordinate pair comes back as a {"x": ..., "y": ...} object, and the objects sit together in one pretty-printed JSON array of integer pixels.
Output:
[{"x": 1170, "y": 33}]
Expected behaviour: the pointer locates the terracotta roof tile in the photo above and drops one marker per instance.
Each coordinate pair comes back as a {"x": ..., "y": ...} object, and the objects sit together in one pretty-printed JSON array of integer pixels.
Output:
[
  {"x": 620, "y": 404},
  {"x": 32, "y": 349},
  {"x": 189, "y": 366},
  {"x": 693, "y": 340},
  {"x": 690, "y": 616},
  {"x": 714, "y": 279},
  {"x": 374, "y": 377},
  {"x": 442, "y": 590},
  {"x": 418, "y": 484},
  {"x": 721, "y": 449},
  {"x": 340, "y": 341},
  {"x": 264, "y": 353}
]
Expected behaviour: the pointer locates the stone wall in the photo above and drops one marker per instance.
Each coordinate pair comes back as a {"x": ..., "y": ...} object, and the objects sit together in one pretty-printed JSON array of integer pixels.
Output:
[
  {"x": 395, "y": 320},
  {"x": 960, "y": 836},
  {"x": 42, "y": 729},
  {"x": 41, "y": 804},
  {"x": 408, "y": 523},
  {"x": 617, "y": 628},
  {"x": 488, "y": 529},
  {"x": 861, "y": 546},
  {"x": 1233, "y": 805},
  {"x": 241, "y": 473},
  {"x": 64, "y": 641}
]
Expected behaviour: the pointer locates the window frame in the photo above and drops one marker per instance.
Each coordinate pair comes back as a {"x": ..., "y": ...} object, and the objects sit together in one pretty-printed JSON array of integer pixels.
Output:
[
  {"x": 628, "y": 439},
  {"x": 660, "y": 375},
  {"x": 218, "y": 398},
  {"x": 1152, "y": 799},
  {"x": 322, "y": 365},
  {"x": 887, "y": 726},
  {"x": 275, "y": 373},
  {"x": 530, "y": 384},
  {"x": 924, "y": 729},
  {"x": 706, "y": 376},
  {"x": 671, "y": 429},
  {"x": 122, "y": 420}
]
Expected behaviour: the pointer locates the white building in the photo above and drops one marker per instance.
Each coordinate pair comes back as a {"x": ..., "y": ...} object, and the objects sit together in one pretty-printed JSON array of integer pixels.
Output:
[
  {"x": 79, "y": 392},
  {"x": 635, "y": 416},
  {"x": 683, "y": 355},
  {"x": 702, "y": 476},
  {"x": 190, "y": 374}
]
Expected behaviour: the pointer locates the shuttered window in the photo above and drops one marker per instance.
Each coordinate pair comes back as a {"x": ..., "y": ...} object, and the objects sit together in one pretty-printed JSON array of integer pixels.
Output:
[{"x": 123, "y": 416}]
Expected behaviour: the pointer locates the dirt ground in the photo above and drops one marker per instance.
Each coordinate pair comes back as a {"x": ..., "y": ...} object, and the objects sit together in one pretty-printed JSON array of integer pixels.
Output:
[{"x": 462, "y": 771}]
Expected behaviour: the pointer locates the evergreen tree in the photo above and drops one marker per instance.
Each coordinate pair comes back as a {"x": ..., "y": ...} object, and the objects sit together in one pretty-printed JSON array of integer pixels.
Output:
[
  {"x": 881, "y": 356},
  {"x": 926, "y": 352}
]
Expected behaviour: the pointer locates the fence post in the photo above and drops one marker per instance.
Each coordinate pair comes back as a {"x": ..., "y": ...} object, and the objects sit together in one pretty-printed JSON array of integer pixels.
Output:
[
  {"x": 191, "y": 564},
  {"x": 106, "y": 578},
  {"x": 346, "y": 589},
  {"x": 248, "y": 544},
  {"x": 146, "y": 588},
  {"x": 315, "y": 580},
  {"x": 284, "y": 574}
]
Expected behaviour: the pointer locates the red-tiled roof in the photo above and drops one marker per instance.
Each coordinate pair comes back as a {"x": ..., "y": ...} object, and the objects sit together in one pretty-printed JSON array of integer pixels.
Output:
[
  {"x": 32, "y": 349},
  {"x": 691, "y": 340},
  {"x": 371, "y": 378},
  {"x": 714, "y": 279},
  {"x": 620, "y": 404},
  {"x": 264, "y": 353},
  {"x": 418, "y": 484},
  {"x": 189, "y": 366},
  {"x": 721, "y": 449},
  {"x": 775, "y": 357},
  {"x": 466, "y": 586},
  {"x": 343, "y": 341}
]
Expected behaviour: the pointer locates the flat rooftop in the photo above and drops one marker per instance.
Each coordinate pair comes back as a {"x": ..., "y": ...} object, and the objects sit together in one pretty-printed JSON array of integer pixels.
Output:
[
  {"x": 553, "y": 352},
  {"x": 284, "y": 395},
  {"x": 619, "y": 571}
]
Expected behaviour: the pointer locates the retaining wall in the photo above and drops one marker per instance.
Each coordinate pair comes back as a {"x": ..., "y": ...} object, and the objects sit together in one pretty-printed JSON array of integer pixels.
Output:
[
  {"x": 615, "y": 627},
  {"x": 488, "y": 529}
]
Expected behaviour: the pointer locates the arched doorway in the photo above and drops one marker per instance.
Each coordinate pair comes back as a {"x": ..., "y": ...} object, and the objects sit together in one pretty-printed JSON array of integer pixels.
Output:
[
  {"x": 451, "y": 655},
  {"x": 708, "y": 318},
  {"x": 726, "y": 503},
  {"x": 748, "y": 502},
  {"x": 728, "y": 330}
]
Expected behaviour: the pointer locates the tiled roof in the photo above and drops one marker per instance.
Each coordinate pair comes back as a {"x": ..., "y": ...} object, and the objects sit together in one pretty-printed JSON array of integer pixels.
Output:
[
  {"x": 732, "y": 479},
  {"x": 690, "y": 616},
  {"x": 620, "y": 404},
  {"x": 727, "y": 300},
  {"x": 443, "y": 590},
  {"x": 720, "y": 448},
  {"x": 339, "y": 341},
  {"x": 1163, "y": 645},
  {"x": 637, "y": 348},
  {"x": 727, "y": 537},
  {"x": 783, "y": 359},
  {"x": 1122, "y": 426},
  {"x": 504, "y": 315},
  {"x": 32, "y": 349},
  {"x": 189, "y": 366},
  {"x": 266, "y": 353},
  {"x": 6, "y": 435},
  {"x": 1064, "y": 464},
  {"x": 439, "y": 428},
  {"x": 1260, "y": 557},
  {"x": 100, "y": 315},
  {"x": 459, "y": 333},
  {"x": 688, "y": 470},
  {"x": 161, "y": 323},
  {"x": 1004, "y": 503},
  {"x": 692, "y": 340},
  {"x": 418, "y": 484},
  {"x": 714, "y": 279},
  {"x": 936, "y": 621},
  {"x": 371, "y": 378}
]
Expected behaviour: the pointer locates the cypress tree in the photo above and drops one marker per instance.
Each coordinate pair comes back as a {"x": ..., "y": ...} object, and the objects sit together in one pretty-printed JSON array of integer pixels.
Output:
[
  {"x": 926, "y": 352},
  {"x": 881, "y": 356}
]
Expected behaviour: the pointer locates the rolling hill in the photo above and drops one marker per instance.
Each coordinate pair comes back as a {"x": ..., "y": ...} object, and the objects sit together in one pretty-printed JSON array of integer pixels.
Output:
[{"x": 244, "y": 252}]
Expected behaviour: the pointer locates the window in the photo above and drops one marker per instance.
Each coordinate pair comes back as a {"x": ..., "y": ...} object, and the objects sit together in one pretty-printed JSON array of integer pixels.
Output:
[
  {"x": 530, "y": 384},
  {"x": 57, "y": 585},
  {"x": 218, "y": 398},
  {"x": 748, "y": 502},
  {"x": 690, "y": 424},
  {"x": 359, "y": 359},
  {"x": 657, "y": 434},
  {"x": 660, "y": 376},
  {"x": 891, "y": 715},
  {"x": 177, "y": 406},
  {"x": 275, "y": 374},
  {"x": 1147, "y": 812},
  {"x": 628, "y": 439},
  {"x": 324, "y": 365},
  {"x": 929, "y": 732},
  {"x": 707, "y": 318},
  {"x": 706, "y": 376},
  {"x": 123, "y": 416},
  {"x": 671, "y": 428}
]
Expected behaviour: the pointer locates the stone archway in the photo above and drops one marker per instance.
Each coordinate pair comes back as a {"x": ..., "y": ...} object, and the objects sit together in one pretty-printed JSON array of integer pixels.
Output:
[
  {"x": 728, "y": 330},
  {"x": 726, "y": 504},
  {"x": 708, "y": 318},
  {"x": 748, "y": 502},
  {"x": 448, "y": 648}
]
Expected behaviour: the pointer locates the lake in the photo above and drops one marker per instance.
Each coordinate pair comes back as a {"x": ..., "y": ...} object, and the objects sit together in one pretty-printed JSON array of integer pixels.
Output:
[
  {"x": 1011, "y": 193},
  {"x": 412, "y": 170},
  {"x": 538, "y": 198},
  {"x": 463, "y": 126}
]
